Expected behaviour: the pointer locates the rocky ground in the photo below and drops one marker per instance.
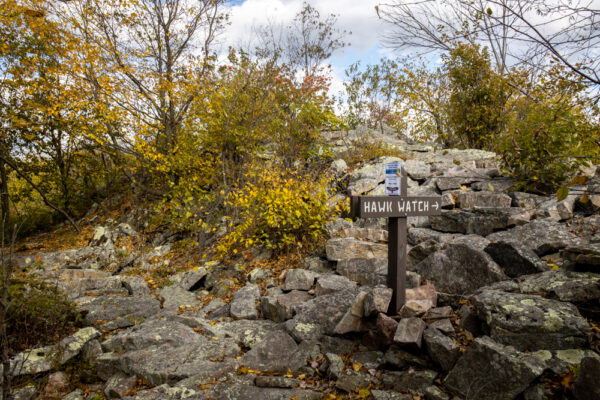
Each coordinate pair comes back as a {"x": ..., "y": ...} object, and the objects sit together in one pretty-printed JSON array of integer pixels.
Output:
[{"x": 504, "y": 302}]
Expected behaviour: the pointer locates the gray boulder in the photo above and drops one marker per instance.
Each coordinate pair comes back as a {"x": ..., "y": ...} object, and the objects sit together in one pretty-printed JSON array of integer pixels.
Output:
[
  {"x": 483, "y": 221},
  {"x": 346, "y": 248},
  {"x": 466, "y": 199},
  {"x": 410, "y": 332},
  {"x": 332, "y": 283},
  {"x": 443, "y": 350},
  {"x": 276, "y": 353},
  {"x": 364, "y": 271},
  {"x": 299, "y": 279},
  {"x": 531, "y": 322},
  {"x": 490, "y": 371},
  {"x": 243, "y": 304},
  {"x": 112, "y": 307},
  {"x": 460, "y": 269},
  {"x": 586, "y": 385},
  {"x": 569, "y": 286}
]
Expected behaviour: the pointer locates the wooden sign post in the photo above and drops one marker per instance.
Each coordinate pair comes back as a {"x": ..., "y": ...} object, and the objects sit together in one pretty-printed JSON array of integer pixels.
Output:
[{"x": 396, "y": 209}]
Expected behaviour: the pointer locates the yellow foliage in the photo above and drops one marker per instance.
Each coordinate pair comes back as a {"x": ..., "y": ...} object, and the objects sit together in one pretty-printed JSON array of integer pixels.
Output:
[{"x": 280, "y": 210}]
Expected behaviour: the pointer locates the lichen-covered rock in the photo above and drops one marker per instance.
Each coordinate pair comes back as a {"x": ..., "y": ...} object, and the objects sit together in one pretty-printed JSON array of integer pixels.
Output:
[
  {"x": 152, "y": 333},
  {"x": 515, "y": 258},
  {"x": 246, "y": 333},
  {"x": 346, "y": 248},
  {"x": 574, "y": 287},
  {"x": 531, "y": 322},
  {"x": 411, "y": 380},
  {"x": 165, "y": 392},
  {"x": 490, "y": 371},
  {"x": 283, "y": 307},
  {"x": 460, "y": 269},
  {"x": 325, "y": 311},
  {"x": 118, "y": 385}
]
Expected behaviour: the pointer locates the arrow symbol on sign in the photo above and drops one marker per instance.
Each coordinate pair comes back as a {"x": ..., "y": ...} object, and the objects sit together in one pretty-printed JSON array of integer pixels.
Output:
[{"x": 436, "y": 205}]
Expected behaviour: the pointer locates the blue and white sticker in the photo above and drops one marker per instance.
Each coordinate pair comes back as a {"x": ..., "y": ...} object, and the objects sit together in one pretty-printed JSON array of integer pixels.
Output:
[{"x": 392, "y": 178}]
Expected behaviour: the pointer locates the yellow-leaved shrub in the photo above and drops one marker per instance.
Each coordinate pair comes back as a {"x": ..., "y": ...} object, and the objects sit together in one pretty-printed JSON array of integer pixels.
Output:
[{"x": 279, "y": 210}]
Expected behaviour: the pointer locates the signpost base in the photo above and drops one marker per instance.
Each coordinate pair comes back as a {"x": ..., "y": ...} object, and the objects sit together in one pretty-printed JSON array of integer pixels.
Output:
[{"x": 396, "y": 273}]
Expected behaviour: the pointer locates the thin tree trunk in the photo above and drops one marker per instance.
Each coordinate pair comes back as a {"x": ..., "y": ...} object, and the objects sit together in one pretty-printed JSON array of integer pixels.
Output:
[{"x": 4, "y": 200}]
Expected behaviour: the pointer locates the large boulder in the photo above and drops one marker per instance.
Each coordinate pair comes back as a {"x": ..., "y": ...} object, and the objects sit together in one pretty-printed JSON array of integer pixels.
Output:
[
  {"x": 346, "y": 248},
  {"x": 490, "y": 371},
  {"x": 364, "y": 271},
  {"x": 243, "y": 304},
  {"x": 112, "y": 307},
  {"x": 276, "y": 353},
  {"x": 531, "y": 322},
  {"x": 574, "y": 287},
  {"x": 460, "y": 269},
  {"x": 480, "y": 221},
  {"x": 466, "y": 199}
]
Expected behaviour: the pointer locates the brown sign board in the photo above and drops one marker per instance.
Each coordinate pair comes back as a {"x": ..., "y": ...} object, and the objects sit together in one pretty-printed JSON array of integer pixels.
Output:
[{"x": 395, "y": 206}]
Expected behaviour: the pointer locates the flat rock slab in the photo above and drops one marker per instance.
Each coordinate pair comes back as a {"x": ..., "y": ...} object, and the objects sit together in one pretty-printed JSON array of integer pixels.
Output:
[
  {"x": 246, "y": 333},
  {"x": 345, "y": 248},
  {"x": 460, "y": 269},
  {"x": 299, "y": 279},
  {"x": 332, "y": 283},
  {"x": 574, "y": 287},
  {"x": 515, "y": 258},
  {"x": 152, "y": 333},
  {"x": 111, "y": 307},
  {"x": 410, "y": 332},
  {"x": 167, "y": 364},
  {"x": 490, "y": 371},
  {"x": 541, "y": 236},
  {"x": 531, "y": 322},
  {"x": 482, "y": 221},
  {"x": 466, "y": 199},
  {"x": 165, "y": 392},
  {"x": 226, "y": 391}
]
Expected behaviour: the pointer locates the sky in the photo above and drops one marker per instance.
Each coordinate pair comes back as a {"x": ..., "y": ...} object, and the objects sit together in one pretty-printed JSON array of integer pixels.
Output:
[{"x": 355, "y": 16}]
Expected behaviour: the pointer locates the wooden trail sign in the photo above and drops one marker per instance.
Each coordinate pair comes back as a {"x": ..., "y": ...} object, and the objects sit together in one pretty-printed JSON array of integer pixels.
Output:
[{"x": 396, "y": 209}]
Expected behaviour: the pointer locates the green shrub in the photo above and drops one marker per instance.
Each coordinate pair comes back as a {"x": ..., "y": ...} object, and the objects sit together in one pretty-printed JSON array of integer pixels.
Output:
[
  {"x": 549, "y": 135},
  {"x": 38, "y": 314},
  {"x": 365, "y": 150}
]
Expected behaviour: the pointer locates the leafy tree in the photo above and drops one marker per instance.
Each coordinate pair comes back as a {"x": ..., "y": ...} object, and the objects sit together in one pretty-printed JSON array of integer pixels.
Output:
[{"x": 477, "y": 97}]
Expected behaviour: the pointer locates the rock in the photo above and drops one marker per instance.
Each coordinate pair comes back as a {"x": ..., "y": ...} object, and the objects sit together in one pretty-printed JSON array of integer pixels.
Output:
[
  {"x": 411, "y": 380},
  {"x": 445, "y": 326},
  {"x": 334, "y": 365},
  {"x": 541, "y": 236},
  {"x": 377, "y": 301},
  {"x": 491, "y": 371},
  {"x": 425, "y": 292},
  {"x": 332, "y": 283},
  {"x": 339, "y": 166},
  {"x": 153, "y": 332},
  {"x": 586, "y": 384},
  {"x": 401, "y": 359},
  {"x": 325, "y": 311},
  {"x": 283, "y": 307},
  {"x": 74, "y": 395},
  {"x": 530, "y": 321},
  {"x": 515, "y": 258},
  {"x": 350, "y": 381},
  {"x": 376, "y": 235},
  {"x": 90, "y": 351},
  {"x": 102, "y": 237},
  {"x": 499, "y": 185},
  {"x": 415, "y": 308},
  {"x": 387, "y": 395},
  {"x": 246, "y": 333},
  {"x": 439, "y": 313},
  {"x": 460, "y": 269},
  {"x": 526, "y": 200},
  {"x": 276, "y": 353},
  {"x": 135, "y": 285},
  {"x": 387, "y": 327},
  {"x": 165, "y": 392},
  {"x": 410, "y": 332},
  {"x": 299, "y": 279},
  {"x": 347, "y": 248},
  {"x": 434, "y": 393},
  {"x": 222, "y": 288},
  {"x": 483, "y": 221},
  {"x": 190, "y": 280},
  {"x": 352, "y": 319},
  {"x": 417, "y": 169},
  {"x": 583, "y": 258},
  {"x": 57, "y": 385},
  {"x": 276, "y": 382},
  {"x": 441, "y": 348},
  {"x": 316, "y": 264},
  {"x": 364, "y": 271},
  {"x": 243, "y": 304},
  {"x": 469, "y": 320},
  {"x": 258, "y": 274},
  {"x": 175, "y": 296},
  {"x": 118, "y": 385},
  {"x": 167, "y": 364},
  {"x": 227, "y": 391},
  {"x": 569, "y": 286},
  {"x": 466, "y": 199},
  {"x": 557, "y": 210},
  {"x": 368, "y": 359},
  {"x": 71, "y": 346}
]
